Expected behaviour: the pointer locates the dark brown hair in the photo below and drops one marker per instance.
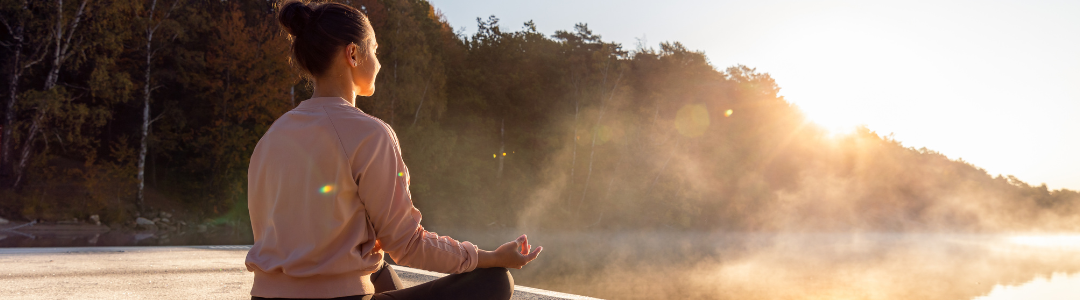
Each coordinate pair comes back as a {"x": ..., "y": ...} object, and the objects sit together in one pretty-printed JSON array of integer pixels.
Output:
[{"x": 317, "y": 30}]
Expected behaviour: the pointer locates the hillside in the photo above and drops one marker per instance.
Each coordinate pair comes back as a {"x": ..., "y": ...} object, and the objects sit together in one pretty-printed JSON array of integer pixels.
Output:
[{"x": 503, "y": 128}]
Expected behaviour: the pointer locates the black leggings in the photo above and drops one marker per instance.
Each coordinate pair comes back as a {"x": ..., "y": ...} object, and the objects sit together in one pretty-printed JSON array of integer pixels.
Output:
[{"x": 489, "y": 283}]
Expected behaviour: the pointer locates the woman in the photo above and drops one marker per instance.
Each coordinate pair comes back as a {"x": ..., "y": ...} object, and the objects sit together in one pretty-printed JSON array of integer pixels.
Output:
[{"x": 328, "y": 192}]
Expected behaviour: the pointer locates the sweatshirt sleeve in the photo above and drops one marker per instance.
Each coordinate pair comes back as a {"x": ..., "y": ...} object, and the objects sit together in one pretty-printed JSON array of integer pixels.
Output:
[{"x": 383, "y": 186}]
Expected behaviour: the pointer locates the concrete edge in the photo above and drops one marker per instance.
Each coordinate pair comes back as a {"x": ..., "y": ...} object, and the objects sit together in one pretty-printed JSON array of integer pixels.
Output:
[{"x": 427, "y": 275}]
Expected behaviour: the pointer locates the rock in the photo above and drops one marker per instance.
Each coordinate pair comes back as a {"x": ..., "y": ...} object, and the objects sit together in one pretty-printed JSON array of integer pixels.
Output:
[
  {"x": 143, "y": 221},
  {"x": 3, "y": 221},
  {"x": 202, "y": 228},
  {"x": 156, "y": 220},
  {"x": 165, "y": 220},
  {"x": 95, "y": 219},
  {"x": 182, "y": 223}
]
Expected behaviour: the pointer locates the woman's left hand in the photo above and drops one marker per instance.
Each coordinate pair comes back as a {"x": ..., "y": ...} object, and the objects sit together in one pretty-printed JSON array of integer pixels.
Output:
[{"x": 514, "y": 254}]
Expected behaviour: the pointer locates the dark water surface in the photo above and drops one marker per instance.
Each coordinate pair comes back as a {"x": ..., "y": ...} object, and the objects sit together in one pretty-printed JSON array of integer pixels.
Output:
[
  {"x": 22, "y": 234},
  {"x": 725, "y": 265}
]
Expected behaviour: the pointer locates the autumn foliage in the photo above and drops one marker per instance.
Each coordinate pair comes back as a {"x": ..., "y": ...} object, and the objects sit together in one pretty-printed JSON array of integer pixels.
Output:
[{"x": 501, "y": 128}]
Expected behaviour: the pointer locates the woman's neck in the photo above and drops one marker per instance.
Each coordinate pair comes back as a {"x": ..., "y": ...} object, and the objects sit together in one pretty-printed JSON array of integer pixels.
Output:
[{"x": 339, "y": 85}]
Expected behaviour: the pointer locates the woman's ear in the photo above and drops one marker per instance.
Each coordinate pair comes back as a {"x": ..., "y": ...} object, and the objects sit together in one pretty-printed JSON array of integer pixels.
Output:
[{"x": 353, "y": 50}]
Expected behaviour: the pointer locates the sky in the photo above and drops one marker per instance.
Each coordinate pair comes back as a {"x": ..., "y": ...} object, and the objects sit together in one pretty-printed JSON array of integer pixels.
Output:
[{"x": 995, "y": 83}]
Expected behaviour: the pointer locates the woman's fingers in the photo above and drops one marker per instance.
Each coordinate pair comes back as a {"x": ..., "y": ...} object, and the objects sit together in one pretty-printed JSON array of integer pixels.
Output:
[
  {"x": 533, "y": 254},
  {"x": 530, "y": 257},
  {"x": 525, "y": 245},
  {"x": 521, "y": 256}
]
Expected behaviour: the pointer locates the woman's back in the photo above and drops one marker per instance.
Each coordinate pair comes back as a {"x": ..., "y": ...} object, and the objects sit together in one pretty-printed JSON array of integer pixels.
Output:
[
  {"x": 305, "y": 211},
  {"x": 325, "y": 183}
]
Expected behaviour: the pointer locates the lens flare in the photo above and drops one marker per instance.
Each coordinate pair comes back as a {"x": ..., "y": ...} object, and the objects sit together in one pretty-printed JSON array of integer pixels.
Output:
[
  {"x": 728, "y": 113},
  {"x": 326, "y": 189},
  {"x": 399, "y": 174}
]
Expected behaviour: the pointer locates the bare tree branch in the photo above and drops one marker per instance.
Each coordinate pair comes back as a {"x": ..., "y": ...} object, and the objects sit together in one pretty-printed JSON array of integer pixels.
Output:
[
  {"x": 592, "y": 149},
  {"x": 25, "y": 6},
  {"x": 75, "y": 86},
  {"x": 162, "y": 114},
  {"x": 422, "y": 96},
  {"x": 71, "y": 31},
  {"x": 39, "y": 59},
  {"x": 4, "y": 21},
  {"x": 166, "y": 17}
]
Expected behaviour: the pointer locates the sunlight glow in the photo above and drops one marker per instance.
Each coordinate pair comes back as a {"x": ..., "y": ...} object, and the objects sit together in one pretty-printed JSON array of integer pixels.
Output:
[
  {"x": 1058, "y": 286},
  {"x": 836, "y": 121},
  {"x": 1058, "y": 241},
  {"x": 692, "y": 120}
]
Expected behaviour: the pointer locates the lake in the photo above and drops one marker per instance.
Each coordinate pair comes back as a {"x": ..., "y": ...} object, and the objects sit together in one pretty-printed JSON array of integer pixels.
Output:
[{"x": 725, "y": 265}]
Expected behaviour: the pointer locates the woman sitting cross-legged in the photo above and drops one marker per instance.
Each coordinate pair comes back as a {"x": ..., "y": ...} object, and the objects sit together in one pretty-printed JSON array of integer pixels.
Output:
[{"x": 328, "y": 191}]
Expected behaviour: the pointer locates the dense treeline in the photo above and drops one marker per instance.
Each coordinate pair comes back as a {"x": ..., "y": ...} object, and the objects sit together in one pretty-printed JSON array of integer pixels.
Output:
[{"x": 117, "y": 107}]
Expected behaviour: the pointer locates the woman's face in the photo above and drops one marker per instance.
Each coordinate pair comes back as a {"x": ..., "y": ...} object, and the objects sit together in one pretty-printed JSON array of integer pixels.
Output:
[{"x": 367, "y": 67}]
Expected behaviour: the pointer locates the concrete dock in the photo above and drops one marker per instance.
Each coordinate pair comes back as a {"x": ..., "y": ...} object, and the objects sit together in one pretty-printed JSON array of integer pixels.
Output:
[{"x": 168, "y": 272}]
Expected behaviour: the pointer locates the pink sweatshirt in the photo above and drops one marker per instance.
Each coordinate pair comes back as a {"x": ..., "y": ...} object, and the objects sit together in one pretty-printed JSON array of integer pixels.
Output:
[{"x": 328, "y": 193}]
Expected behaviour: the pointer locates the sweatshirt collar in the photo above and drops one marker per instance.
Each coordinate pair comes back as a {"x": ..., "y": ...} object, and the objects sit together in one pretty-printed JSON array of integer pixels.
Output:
[{"x": 323, "y": 101}]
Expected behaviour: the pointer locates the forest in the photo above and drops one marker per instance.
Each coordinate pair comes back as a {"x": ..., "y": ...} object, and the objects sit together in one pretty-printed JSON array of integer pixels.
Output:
[{"x": 119, "y": 108}]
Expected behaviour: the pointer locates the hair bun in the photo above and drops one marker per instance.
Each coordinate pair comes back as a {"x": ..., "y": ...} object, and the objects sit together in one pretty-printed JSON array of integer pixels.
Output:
[{"x": 295, "y": 15}]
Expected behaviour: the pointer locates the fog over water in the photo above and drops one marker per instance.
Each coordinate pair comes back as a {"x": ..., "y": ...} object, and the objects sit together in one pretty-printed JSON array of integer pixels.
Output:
[
  {"x": 670, "y": 264},
  {"x": 703, "y": 265}
]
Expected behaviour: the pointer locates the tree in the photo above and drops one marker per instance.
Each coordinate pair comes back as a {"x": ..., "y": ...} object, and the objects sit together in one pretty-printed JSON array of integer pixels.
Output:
[
  {"x": 15, "y": 16},
  {"x": 61, "y": 41},
  {"x": 242, "y": 73},
  {"x": 150, "y": 21}
]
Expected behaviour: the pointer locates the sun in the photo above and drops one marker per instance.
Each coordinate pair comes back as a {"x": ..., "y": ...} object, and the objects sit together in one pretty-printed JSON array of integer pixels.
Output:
[{"x": 836, "y": 119}]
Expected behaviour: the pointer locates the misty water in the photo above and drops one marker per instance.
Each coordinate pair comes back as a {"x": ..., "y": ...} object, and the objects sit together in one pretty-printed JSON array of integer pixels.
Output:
[
  {"x": 707, "y": 265},
  {"x": 726, "y": 265}
]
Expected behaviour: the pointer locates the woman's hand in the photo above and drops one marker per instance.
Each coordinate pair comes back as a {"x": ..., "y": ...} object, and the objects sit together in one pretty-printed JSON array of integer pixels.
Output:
[{"x": 514, "y": 254}]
